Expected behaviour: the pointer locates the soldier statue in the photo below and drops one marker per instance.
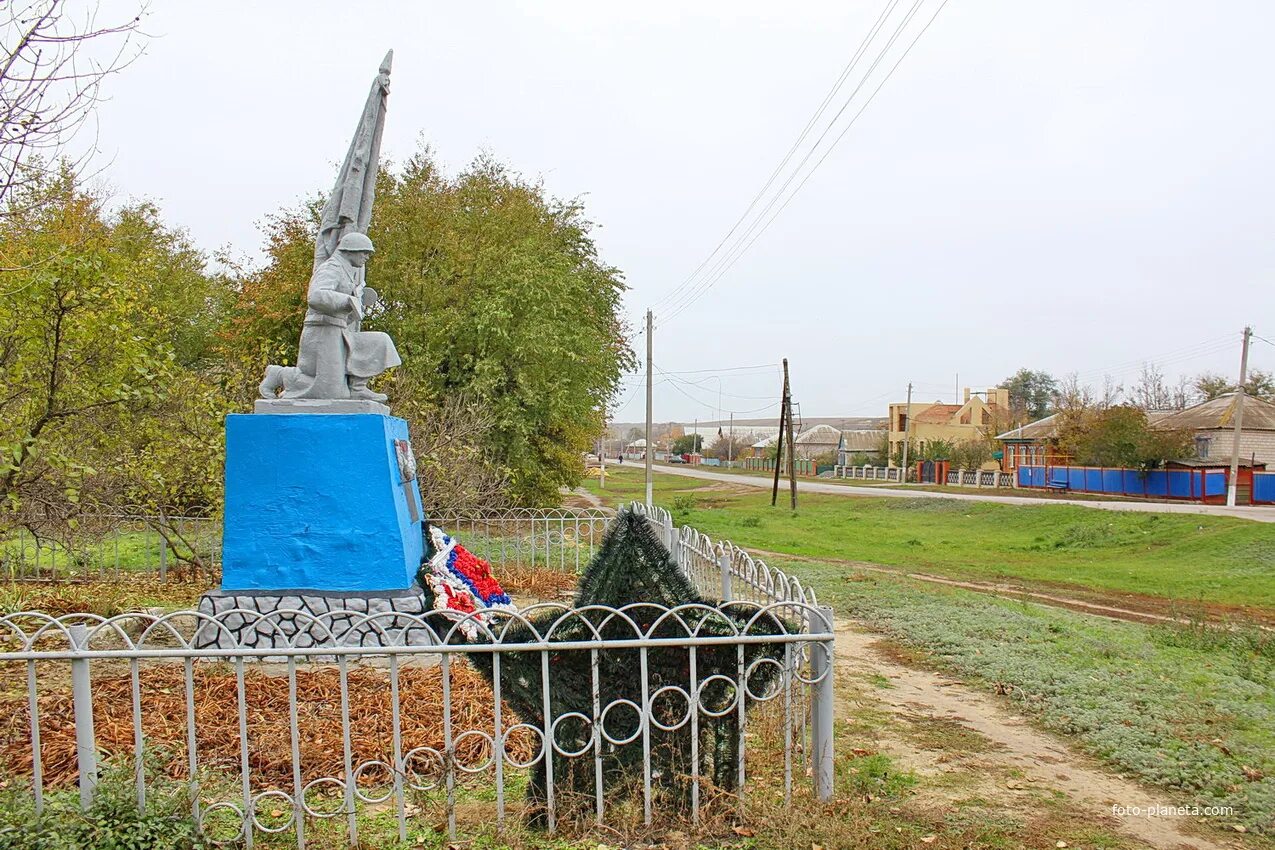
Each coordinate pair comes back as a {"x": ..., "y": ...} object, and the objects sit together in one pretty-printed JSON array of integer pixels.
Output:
[{"x": 336, "y": 358}]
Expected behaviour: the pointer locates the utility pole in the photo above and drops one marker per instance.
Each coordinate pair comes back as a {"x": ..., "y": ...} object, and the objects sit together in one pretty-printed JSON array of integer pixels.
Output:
[
  {"x": 650, "y": 446},
  {"x": 695, "y": 438},
  {"x": 907, "y": 432},
  {"x": 779, "y": 438},
  {"x": 730, "y": 447},
  {"x": 602, "y": 458},
  {"x": 1239, "y": 420},
  {"x": 792, "y": 445},
  {"x": 785, "y": 429}
]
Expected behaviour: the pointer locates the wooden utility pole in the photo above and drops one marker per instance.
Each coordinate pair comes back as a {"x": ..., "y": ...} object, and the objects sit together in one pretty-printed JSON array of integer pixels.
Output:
[
  {"x": 907, "y": 432},
  {"x": 1239, "y": 420},
  {"x": 785, "y": 428},
  {"x": 792, "y": 444},
  {"x": 650, "y": 445}
]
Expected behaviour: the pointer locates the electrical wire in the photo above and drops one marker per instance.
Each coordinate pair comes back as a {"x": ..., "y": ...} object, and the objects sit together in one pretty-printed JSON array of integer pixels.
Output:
[
  {"x": 741, "y": 247},
  {"x": 886, "y": 10}
]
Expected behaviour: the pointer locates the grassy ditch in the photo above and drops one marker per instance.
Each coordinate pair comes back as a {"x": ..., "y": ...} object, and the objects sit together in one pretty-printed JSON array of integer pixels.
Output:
[
  {"x": 1189, "y": 708},
  {"x": 1183, "y": 559}
]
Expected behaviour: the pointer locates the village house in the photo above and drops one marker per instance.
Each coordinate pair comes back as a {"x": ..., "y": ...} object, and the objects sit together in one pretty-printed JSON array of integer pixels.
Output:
[
  {"x": 953, "y": 423},
  {"x": 1213, "y": 423}
]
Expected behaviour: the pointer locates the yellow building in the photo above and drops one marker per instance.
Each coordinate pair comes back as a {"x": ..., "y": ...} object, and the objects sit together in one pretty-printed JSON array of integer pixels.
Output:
[{"x": 982, "y": 414}]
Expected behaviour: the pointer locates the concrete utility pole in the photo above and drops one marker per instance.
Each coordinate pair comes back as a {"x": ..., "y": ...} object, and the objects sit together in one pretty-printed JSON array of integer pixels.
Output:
[
  {"x": 907, "y": 432},
  {"x": 730, "y": 447},
  {"x": 650, "y": 446},
  {"x": 1239, "y": 420},
  {"x": 602, "y": 458}
]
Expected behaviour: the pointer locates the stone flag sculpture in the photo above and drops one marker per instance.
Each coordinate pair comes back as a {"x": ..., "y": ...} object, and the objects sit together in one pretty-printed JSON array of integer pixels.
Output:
[{"x": 336, "y": 357}]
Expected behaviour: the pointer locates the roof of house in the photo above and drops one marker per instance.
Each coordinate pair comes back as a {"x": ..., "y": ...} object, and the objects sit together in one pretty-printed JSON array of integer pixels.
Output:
[
  {"x": 1041, "y": 429},
  {"x": 819, "y": 435},
  {"x": 1259, "y": 415},
  {"x": 937, "y": 413},
  {"x": 862, "y": 439}
]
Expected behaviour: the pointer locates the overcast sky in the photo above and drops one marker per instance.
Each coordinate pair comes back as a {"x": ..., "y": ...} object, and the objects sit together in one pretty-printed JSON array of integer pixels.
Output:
[{"x": 1075, "y": 186}]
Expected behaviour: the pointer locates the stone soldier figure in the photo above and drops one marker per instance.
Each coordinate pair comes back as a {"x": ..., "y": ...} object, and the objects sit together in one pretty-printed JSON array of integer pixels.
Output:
[{"x": 336, "y": 357}]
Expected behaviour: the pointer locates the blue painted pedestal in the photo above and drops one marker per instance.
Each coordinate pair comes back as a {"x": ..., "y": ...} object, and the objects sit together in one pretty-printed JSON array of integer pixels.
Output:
[{"x": 318, "y": 502}]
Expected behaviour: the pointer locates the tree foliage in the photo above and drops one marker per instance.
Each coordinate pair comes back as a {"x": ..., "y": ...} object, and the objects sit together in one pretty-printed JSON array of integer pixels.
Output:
[
  {"x": 1121, "y": 436},
  {"x": 1032, "y": 394},
  {"x": 1259, "y": 383},
  {"x": 101, "y": 320},
  {"x": 688, "y": 444}
]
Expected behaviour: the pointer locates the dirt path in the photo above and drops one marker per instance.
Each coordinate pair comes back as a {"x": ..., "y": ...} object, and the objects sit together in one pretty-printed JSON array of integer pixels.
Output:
[{"x": 972, "y": 743}]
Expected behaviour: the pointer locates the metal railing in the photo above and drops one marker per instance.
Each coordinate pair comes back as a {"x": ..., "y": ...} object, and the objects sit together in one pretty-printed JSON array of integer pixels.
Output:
[
  {"x": 110, "y": 546},
  {"x": 239, "y": 739},
  {"x": 723, "y": 570}
]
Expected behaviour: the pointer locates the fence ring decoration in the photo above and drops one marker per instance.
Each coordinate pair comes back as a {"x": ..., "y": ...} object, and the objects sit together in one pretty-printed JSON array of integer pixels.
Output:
[
  {"x": 703, "y": 686},
  {"x": 486, "y": 763},
  {"x": 602, "y": 722},
  {"x": 776, "y": 689},
  {"x": 809, "y": 647},
  {"x": 273, "y": 793},
  {"x": 357, "y": 773},
  {"x": 686, "y": 716},
  {"x": 508, "y": 756},
  {"x": 409, "y": 773},
  {"x": 553, "y": 734},
  {"x": 319, "y": 783}
]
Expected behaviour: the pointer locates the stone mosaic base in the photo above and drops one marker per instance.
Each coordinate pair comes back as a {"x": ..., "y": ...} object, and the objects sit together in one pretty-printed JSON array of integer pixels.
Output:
[{"x": 338, "y": 611}]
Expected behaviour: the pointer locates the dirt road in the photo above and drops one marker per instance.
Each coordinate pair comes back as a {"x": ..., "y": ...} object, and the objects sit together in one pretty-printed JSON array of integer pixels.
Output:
[{"x": 972, "y": 742}]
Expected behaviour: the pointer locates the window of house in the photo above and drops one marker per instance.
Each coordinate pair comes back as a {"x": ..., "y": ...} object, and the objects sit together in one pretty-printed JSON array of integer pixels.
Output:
[
  {"x": 903, "y": 422},
  {"x": 1202, "y": 446}
]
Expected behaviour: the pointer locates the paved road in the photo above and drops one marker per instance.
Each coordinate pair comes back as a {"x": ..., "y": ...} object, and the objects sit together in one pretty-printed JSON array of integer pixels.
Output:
[{"x": 1259, "y": 514}]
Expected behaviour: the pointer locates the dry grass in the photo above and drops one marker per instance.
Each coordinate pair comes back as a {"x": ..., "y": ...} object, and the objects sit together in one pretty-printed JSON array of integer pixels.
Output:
[{"x": 163, "y": 702}]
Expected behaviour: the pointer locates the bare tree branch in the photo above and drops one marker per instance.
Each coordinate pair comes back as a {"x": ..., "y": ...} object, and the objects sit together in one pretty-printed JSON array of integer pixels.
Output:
[{"x": 51, "y": 76}]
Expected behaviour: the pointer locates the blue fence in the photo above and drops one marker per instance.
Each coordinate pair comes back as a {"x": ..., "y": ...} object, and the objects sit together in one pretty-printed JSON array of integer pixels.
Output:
[
  {"x": 1264, "y": 487},
  {"x": 1192, "y": 484}
]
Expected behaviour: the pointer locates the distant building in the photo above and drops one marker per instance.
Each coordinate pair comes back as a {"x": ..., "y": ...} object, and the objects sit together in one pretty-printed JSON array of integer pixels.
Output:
[
  {"x": 1033, "y": 444},
  {"x": 860, "y": 442},
  {"x": 1213, "y": 423},
  {"x": 817, "y": 441},
  {"x": 953, "y": 423}
]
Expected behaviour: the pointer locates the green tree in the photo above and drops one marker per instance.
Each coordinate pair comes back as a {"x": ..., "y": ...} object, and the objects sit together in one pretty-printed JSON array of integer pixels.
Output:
[
  {"x": 1259, "y": 383},
  {"x": 1120, "y": 436},
  {"x": 105, "y": 320},
  {"x": 492, "y": 291},
  {"x": 1031, "y": 394},
  {"x": 688, "y": 444}
]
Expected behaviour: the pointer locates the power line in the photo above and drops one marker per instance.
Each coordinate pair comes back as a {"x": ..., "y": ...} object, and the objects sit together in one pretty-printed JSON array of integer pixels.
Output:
[
  {"x": 741, "y": 246},
  {"x": 801, "y": 137},
  {"x": 709, "y": 405}
]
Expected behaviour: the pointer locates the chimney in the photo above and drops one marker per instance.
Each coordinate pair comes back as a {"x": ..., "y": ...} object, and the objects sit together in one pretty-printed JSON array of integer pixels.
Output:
[{"x": 967, "y": 395}]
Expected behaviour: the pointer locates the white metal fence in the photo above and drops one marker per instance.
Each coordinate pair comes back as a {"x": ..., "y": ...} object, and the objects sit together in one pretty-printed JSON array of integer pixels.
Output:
[
  {"x": 752, "y": 685},
  {"x": 113, "y": 545}
]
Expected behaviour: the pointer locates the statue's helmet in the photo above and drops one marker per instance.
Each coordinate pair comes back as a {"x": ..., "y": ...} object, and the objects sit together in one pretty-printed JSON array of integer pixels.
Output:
[{"x": 355, "y": 242}]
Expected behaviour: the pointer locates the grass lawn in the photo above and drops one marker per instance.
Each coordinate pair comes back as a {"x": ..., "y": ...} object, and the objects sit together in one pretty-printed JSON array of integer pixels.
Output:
[
  {"x": 1187, "y": 708},
  {"x": 1183, "y": 558}
]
